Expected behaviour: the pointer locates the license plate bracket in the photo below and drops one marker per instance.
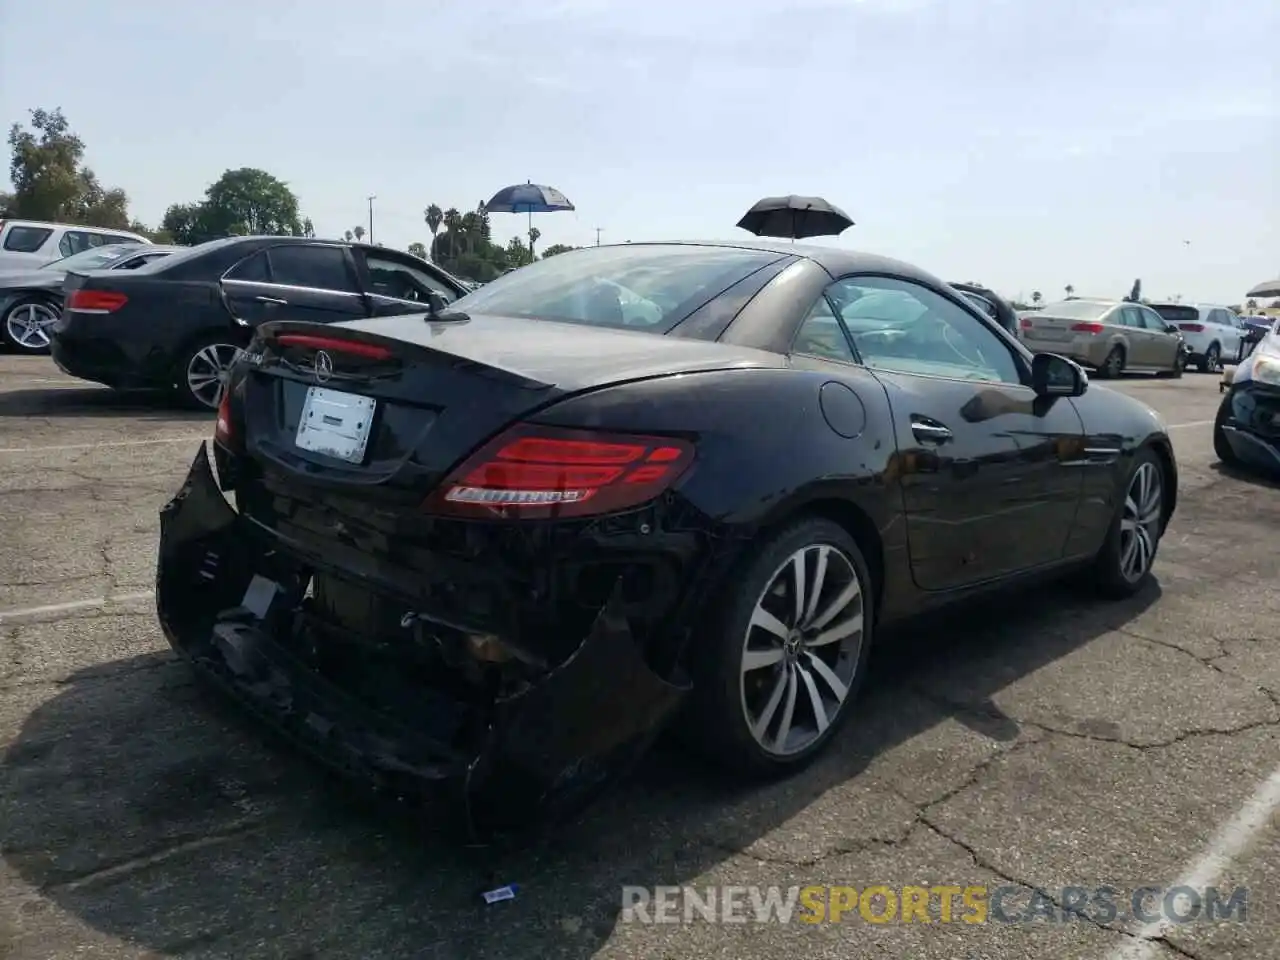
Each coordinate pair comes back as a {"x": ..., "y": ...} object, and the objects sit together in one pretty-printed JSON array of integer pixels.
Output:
[{"x": 336, "y": 424}]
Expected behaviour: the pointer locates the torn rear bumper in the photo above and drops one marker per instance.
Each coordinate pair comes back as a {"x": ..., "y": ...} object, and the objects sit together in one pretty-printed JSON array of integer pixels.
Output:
[{"x": 511, "y": 757}]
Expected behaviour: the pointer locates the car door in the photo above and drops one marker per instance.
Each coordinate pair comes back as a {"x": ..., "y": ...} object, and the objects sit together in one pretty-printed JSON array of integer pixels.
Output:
[
  {"x": 395, "y": 284},
  {"x": 1227, "y": 329},
  {"x": 1165, "y": 344},
  {"x": 1143, "y": 350},
  {"x": 986, "y": 466},
  {"x": 294, "y": 281}
]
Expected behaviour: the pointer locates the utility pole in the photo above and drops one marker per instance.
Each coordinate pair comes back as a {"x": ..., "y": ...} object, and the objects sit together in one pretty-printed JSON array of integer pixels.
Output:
[
  {"x": 598, "y": 236},
  {"x": 372, "y": 197}
]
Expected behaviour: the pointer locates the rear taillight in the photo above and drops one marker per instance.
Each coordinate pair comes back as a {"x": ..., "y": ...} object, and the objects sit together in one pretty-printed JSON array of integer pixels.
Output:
[
  {"x": 1191, "y": 327},
  {"x": 531, "y": 472},
  {"x": 224, "y": 431},
  {"x": 1089, "y": 326},
  {"x": 370, "y": 351},
  {"x": 96, "y": 301},
  {"x": 1025, "y": 323}
]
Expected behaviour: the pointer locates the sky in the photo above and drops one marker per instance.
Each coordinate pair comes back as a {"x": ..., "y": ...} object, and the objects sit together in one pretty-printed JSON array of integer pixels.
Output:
[{"x": 1026, "y": 145}]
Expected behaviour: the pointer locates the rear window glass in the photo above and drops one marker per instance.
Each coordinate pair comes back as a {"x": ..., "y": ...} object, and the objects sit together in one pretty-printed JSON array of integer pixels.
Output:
[
  {"x": 26, "y": 239},
  {"x": 1176, "y": 313},
  {"x": 648, "y": 287},
  {"x": 1073, "y": 309}
]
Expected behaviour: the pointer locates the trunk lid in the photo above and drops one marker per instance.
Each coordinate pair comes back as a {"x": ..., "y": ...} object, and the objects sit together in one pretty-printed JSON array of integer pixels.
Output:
[{"x": 390, "y": 419}]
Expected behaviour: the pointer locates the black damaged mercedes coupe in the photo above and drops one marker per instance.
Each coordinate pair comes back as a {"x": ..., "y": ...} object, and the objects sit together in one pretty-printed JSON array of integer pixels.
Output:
[{"x": 490, "y": 551}]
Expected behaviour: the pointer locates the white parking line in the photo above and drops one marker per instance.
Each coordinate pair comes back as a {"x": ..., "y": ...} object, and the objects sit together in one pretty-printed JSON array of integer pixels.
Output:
[
  {"x": 107, "y": 443},
  {"x": 28, "y": 613},
  {"x": 1231, "y": 840},
  {"x": 1193, "y": 423}
]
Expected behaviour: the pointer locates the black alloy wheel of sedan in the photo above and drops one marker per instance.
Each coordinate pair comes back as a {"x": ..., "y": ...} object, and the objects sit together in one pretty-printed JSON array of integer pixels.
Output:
[{"x": 501, "y": 545}]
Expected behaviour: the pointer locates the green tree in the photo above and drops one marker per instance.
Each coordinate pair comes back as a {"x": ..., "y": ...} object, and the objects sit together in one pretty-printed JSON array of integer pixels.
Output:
[
  {"x": 349, "y": 236},
  {"x": 534, "y": 234},
  {"x": 308, "y": 228},
  {"x": 50, "y": 180},
  {"x": 1036, "y": 297},
  {"x": 418, "y": 250},
  {"x": 243, "y": 202},
  {"x": 1252, "y": 305},
  {"x": 433, "y": 216},
  {"x": 556, "y": 248},
  {"x": 1070, "y": 290},
  {"x": 359, "y": 232}
]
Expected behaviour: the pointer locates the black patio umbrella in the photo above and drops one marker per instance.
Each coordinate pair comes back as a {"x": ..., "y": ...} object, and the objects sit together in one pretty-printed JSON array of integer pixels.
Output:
[
  {"x": 795, "y": 218},
  {"x": 1271, "y": 288}
]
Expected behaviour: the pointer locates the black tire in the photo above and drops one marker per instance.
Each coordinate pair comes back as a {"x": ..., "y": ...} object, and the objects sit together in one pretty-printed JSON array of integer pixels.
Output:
[
  {"x": 11, "y": 341},
  {"x": 183, "y": 389},
  {"x": 1179, "y": 365},
  {"x": 1221, "y": 446},
  {"x": 1113, "y": 365},
  {"x": 718, "y": 723},
  {"x": 1109, "y": 568},
  {"x": 1211, "y": 362}
]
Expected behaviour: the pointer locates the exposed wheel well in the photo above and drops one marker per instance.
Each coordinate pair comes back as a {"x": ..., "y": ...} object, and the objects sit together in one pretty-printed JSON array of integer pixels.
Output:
[
  {"x": 1162, "y": 451},
  {"x": 857, "y": 524}
]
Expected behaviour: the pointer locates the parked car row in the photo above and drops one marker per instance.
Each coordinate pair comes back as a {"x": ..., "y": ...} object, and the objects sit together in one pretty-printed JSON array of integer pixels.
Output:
[
  {"x": 31, "y": 301},
  {"x": 27, "y": 244},
  {"x": 491, "y": 547}
]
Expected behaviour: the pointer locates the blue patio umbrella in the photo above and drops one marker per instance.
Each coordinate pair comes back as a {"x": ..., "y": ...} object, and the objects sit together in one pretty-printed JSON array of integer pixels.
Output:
[{"x": 528, "y": 198}]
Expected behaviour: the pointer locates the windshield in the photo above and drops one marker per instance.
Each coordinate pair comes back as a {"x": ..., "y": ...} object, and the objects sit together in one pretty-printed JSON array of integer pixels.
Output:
[
  {"x": 93, "y": 258},
  {"x": 1074, "y": 309},
  {"x": 1176, "y": 313},
  {"x": 649, "y": 287}
]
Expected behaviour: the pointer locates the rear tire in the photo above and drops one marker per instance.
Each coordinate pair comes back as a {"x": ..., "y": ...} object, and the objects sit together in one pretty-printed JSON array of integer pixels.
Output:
[
  {"x": 1211, "y": 362},
  {"x": 1222, "y": 446},
  {"x": 774, "y": 646},
  {"x": 1179, "y": 365},
  {"x": 199, "y": 376},
  {"x": 24, "y": 328},
  {"x": 1113, "y": 365},
  {"x": 1124, "y": 563}
]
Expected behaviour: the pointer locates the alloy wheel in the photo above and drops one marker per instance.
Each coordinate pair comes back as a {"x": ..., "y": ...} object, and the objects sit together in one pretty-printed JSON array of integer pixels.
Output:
[
  {"x": 1212, "y": 361},
  {"x": 1140, "y": 522},
  {"x": 802, "y": 649},
  {"x": 28, "y": 325},
  {"x": 1113, "y": 362},
  {"x": 207, "y": 372}
]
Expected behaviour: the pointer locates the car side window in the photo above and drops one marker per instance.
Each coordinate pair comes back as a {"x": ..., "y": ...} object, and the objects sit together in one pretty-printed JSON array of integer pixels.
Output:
[
  {"x": 1129, "y": 317},
  {"x": 905, "y": 327},
  {"x": 1152, "y": 321},
  {"x": 75, "y": 241},
  {"x": 391, "y": 277},
  {"x": 302, "y": 265},
  {"x": 252, "y": 269},
  {"x": 820, "y": 335},
  {"x": 21, "y": 239}
]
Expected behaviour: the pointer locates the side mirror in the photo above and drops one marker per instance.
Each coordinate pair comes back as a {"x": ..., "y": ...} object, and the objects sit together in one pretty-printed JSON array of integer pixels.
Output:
[
  {"x": 1171, "y": 328},
  {"x": 436, "y": 303},
  {"x": 1056, "y": 376}
]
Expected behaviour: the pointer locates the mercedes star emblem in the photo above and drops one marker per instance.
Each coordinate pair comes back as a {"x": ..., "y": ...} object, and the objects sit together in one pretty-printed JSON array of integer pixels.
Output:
[{"x": 324, "y": 366}]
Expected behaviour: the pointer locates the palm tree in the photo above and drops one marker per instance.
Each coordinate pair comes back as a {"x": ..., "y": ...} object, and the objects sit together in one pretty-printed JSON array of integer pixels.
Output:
[
  {"x": 1252, "y": 305},
  {"x": 359, "y": 232},
  {"x": 1070, "y": 290},
  {"x": 433, "y": 216},
  {"x": 349, "y": 235},
  {"x": 453, "y": 227},
  {"x": 1036, "y": 297},
  {"x": 534, "y": 234}
]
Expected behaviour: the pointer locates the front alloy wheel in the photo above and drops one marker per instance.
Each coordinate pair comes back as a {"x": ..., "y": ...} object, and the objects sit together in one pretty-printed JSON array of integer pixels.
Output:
[
  {"x": 1140, "y": 523},
  {"x": 801, "y": 649}
]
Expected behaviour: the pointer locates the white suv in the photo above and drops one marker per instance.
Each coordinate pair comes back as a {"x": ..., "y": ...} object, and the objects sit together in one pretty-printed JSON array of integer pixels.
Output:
[
  {"x": 26, "y": 244},
  {"x": 1212, "y": 333}
]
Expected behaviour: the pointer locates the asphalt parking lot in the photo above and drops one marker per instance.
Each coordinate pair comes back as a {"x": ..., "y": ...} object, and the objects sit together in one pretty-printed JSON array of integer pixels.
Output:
[{"x": 1039, "y": 743}]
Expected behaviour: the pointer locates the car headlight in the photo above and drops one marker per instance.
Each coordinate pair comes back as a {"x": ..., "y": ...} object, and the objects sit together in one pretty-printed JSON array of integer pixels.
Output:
[{"x": 1266, "y": 370}]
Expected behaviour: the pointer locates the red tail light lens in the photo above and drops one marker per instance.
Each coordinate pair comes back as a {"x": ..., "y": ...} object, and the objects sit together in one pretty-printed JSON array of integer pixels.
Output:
[
  {"x": 1089, "y": 326},
  {"x": 224, "y": 431},
  {"x": 1191, "y": 327},
  {"x": 532, "y": 472},
  {"x": 370, "y": 351},
  {"x": 1025, "y": 323},
  {"x": 96, "y": 301}
]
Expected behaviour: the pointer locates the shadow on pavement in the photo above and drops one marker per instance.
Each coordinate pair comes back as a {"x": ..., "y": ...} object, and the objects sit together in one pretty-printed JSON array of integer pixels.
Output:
[
  {"x": 92, "y": 401},
  {"x": 1255, "y": 477},
  {"x": 153, "y": 813}
]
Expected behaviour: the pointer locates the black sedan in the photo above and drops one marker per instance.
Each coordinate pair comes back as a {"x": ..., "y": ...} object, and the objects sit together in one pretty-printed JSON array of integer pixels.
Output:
[
  {"x": 491, "y": 551},
  {"x": 30, "y": 301},
  {"x": 177, "y": 324},
  {"x": 1246, "y": 431}
]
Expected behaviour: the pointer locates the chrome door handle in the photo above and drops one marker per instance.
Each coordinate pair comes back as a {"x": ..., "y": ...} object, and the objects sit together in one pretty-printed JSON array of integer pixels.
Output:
[
  {"x": 930, "y": 432},
  {"x": 276, "y": 301}
]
